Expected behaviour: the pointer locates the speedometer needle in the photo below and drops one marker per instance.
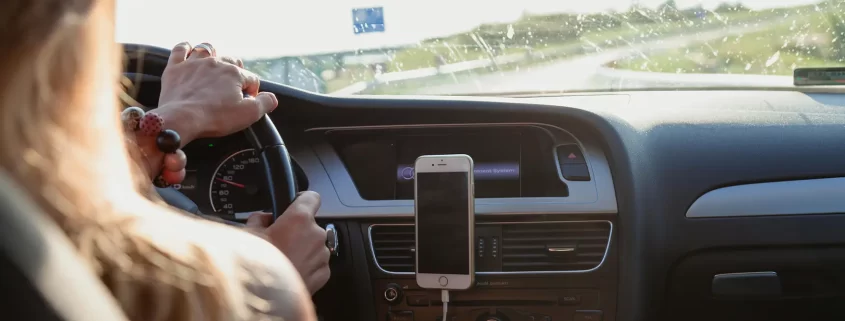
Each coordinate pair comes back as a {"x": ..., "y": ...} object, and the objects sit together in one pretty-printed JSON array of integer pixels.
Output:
[{"x": 230, "y": 182}]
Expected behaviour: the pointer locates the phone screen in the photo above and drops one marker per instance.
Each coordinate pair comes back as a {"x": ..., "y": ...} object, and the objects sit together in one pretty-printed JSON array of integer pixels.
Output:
[{"x": 442, "y": 223}]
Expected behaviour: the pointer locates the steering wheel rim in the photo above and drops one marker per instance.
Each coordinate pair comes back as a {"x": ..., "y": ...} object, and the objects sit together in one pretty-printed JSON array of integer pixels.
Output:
[
  {"x": 262, "y": 135},
  {"x": 265, "y": 138}
]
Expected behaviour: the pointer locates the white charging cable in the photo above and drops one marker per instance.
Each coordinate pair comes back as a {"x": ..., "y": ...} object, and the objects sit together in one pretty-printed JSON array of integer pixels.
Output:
[{"x": 444, "y": 296}]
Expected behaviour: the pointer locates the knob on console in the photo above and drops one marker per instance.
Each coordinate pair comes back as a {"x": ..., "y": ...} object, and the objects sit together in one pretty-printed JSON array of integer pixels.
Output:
[{"x": 393, "y": 293}]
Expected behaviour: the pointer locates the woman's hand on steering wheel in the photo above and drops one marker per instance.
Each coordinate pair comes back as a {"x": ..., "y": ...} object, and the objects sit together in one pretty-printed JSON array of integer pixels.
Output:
[
  {"x": 202, "y": 95},
  {"x": 298, "y": 236}
]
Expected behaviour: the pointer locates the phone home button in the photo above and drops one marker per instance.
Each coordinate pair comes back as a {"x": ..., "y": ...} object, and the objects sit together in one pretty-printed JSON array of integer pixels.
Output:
[{"x": 443, "y": 281}]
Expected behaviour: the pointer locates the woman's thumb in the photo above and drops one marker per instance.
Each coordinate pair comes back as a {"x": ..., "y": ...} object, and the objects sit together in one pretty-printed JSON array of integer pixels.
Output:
[{"x": 259, "y": 220}]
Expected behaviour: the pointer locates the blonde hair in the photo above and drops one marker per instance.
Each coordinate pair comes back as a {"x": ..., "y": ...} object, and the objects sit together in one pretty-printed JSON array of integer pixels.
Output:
[{"x": 60, "y": 138}]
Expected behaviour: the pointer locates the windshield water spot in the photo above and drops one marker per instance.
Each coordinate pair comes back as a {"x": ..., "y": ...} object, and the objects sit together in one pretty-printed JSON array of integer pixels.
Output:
[
  {"x": 532, "y": 49},
  {"x": 773, "y": 59}
]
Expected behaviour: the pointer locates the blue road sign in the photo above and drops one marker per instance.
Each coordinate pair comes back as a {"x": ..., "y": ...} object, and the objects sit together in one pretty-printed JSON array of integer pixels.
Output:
[{"x": 368, "y": 20}]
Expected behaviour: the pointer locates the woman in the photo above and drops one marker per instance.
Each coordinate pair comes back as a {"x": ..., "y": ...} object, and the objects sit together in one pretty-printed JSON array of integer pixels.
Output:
[{"x": 61, "y": 140}]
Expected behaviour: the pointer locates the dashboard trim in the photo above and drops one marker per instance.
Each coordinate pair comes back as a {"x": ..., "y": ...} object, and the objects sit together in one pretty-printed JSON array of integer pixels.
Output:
[
  {"x": 597, "y": 196},
  {"x": 456, "y": 125},
  {"x": 575, "y": 142},
  {"x": 601, "y": 263},
  {"x": 796, "y": 197}
]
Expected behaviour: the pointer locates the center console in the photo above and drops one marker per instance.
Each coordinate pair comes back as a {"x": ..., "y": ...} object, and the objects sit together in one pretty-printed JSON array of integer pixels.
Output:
[
  {"x": 545, "y": 237},
  {"x": 526, "y": 271}
]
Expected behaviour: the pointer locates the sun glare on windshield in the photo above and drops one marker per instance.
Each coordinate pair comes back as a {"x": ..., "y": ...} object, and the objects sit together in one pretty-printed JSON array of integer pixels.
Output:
[{"x": 444, "y": 47}]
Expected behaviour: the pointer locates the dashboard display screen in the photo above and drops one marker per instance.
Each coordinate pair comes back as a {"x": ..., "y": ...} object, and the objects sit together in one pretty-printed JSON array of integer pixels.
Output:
[
  {"x": 497, "y": 162},
  {"x": 819, "y": 76},
  {"x": 442, "y": 209},
  {"x": 509, "y": 162}
]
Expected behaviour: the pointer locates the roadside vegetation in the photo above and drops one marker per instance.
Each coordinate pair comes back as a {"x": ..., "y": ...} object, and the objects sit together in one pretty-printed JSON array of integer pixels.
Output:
[
  {"x": 571, "y": 34},
  {"x": 812, "y": 37},
  {"x": 546, "y": 38}
]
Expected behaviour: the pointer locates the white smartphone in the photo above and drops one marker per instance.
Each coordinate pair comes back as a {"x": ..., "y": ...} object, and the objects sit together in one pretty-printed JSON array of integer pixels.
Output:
[{"x": 444, "y": 213}]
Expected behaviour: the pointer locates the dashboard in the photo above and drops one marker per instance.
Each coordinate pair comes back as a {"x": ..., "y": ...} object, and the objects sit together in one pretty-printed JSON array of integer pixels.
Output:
[
  {"x": 225, "y": 178},
  {"x": 693, "y": 205},
  {"x": 517, "y": 163}
]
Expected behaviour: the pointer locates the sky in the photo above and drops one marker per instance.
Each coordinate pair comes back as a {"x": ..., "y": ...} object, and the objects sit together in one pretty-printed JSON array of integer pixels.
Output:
[{"x": 273, "y": 28}]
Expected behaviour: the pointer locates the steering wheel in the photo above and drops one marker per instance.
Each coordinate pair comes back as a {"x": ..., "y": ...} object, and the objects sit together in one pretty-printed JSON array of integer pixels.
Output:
[
  {"x": 263, "y": 135},
  {"x": 266, "y": 140}
]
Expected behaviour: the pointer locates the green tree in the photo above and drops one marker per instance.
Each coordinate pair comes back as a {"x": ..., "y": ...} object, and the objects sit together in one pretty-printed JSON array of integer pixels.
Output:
[
  {"x": 725, "y": 7},
  {"x": 837, "y": 46},
  {"x": 669, "y": 4},
  {"x": 669, "y": 11}
]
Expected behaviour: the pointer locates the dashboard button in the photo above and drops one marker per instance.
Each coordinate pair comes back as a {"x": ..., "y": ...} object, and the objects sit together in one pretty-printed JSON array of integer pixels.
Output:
[
  {"x": 417, "y": 300},
  {"x": 570, "y": 154},
  {"x": 587, "y": 315},
  {"x": 540, "y": 317},
  {"x": 393, "y": 293},
  {"x": 575, "y": 172},
  {"x": 400, "y": 316},
  {"x": 569, "y": 300}
]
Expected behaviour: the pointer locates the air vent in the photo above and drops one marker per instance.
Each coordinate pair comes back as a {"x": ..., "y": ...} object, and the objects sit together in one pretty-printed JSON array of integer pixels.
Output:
[
  {"x": 570, "y": 246},
  {"x": 526, "y": 248},
  {"x": 393, "y": 247}
]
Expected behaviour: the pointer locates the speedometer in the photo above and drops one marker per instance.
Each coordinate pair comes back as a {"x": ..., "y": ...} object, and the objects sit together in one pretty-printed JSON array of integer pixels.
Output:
[{"x": 238, "y": 186}]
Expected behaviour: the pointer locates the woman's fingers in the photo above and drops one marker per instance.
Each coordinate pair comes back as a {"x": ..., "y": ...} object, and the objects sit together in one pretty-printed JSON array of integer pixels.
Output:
[
  {"x": 174, "y": 177},
  {"x": 259, "y": 220},
  {"x": 176, "y": 162},
  {"x": 320, "y": 259},
  {"x": 250, "y": 82},
  {"x": 214, "y": 89},
  {"x": 267, "y": 101},
  {"x": 203, "y": 50},
  {"x": 318, "y": 279},
  {"x": 255, "y": 107},
  {"x": 232, "y": 60},
  {"x": 179, "y": 53},
  {"x": 298, "y": 236}
]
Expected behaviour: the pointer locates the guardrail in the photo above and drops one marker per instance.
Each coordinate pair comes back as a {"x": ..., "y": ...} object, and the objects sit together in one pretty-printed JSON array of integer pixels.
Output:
[
  {"x": 385, "y": 78},
  {"x": 656, "y": 44}
]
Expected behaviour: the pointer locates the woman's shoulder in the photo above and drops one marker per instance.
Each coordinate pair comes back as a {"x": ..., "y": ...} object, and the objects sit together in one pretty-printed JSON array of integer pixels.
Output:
[{"x": 260, "y": 280}]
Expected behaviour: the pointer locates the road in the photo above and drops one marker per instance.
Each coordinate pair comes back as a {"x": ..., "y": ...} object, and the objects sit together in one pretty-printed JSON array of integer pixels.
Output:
[{"x": 578, "y": 73}]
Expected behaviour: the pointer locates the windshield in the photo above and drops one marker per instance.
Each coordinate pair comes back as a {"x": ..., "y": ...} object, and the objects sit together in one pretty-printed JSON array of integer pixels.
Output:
[{"x": 442, "y": 47}]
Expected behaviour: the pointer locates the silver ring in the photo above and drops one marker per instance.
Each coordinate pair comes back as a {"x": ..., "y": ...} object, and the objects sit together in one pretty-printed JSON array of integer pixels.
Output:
[{"x": 207, "y": 47}]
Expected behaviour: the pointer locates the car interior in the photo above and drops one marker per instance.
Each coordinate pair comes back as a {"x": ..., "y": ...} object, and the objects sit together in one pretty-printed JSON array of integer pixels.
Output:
[{"x": 672, "y": 204}]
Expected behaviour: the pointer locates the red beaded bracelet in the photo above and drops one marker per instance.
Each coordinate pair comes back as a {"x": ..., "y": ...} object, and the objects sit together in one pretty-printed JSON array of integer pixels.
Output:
[{"x": 167, "y": 141}]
